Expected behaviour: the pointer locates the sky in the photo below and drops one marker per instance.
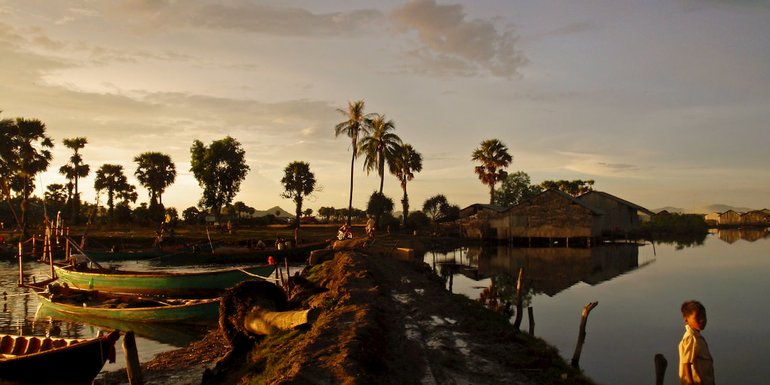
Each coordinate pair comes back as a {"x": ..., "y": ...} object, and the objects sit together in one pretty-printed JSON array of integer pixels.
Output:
[{"x": 663, "y": 103}]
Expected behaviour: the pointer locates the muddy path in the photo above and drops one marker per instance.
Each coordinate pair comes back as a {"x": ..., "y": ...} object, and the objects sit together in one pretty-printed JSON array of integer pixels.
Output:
[{"x": 383, "y": 320}]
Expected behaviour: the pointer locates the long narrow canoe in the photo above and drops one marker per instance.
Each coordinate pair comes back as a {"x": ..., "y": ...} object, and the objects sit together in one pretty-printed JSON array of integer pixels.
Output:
[
  {"x": 128, "y": 307},
  {"x": 192, "y": 285},
  {"x": 43, "y": 360}
]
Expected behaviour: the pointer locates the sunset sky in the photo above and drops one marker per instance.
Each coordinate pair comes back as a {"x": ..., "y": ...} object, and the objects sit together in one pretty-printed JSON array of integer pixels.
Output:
[{"x": 663, "y": 103}]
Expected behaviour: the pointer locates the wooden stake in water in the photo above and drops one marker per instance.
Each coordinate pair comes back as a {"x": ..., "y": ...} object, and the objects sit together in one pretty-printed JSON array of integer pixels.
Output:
[
  {"x": 582, "y": 335},
  {"x": 660, "y": 368},
  {"x": 133, "y": 368}
]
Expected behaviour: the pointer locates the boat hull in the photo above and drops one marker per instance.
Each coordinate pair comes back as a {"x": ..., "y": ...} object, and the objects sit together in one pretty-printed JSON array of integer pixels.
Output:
[
  {"x": 192, "y": 285},
  {"x": 130, "y": 308},
  {"x": 72, "y": 362}
]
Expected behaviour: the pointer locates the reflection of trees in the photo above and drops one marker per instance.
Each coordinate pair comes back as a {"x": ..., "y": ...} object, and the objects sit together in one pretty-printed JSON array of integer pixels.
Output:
[
  {"x": 500, "y": 295},
  {"x": 681, "y": 241}
]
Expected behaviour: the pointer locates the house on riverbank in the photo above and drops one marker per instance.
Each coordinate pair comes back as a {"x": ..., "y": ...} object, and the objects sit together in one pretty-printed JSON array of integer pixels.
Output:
[{"x": 557, "y": 218}]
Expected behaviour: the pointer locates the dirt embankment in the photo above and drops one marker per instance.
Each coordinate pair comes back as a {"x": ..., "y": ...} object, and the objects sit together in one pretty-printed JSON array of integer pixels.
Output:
[{"x": 383, "y": 320}]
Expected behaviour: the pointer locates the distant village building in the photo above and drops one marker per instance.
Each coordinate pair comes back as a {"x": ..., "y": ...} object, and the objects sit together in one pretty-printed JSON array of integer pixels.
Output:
[
  {"x": 729, "y": 218},
  {"x": 755, "y": 218},
  {"x": 712, "y": 219},
  {"x": 477, "y": 208},
  {"x": 549, "y": 215},
  {"x": 554, "y": 217},
  {"x": 620, "y": 216}
]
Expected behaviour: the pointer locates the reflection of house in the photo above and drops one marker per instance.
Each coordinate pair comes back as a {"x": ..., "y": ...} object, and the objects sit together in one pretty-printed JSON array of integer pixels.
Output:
[
  {"x": 734, "y": 235},
  {"x": 550, "y": 214},
  {"x": 620, "y": 216},
  {"x": 552, "y": 270}
]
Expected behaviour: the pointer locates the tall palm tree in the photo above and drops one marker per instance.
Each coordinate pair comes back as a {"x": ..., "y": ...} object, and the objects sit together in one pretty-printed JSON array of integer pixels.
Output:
[
  {"x": 380, "y": 146},
  {"x": 74, "y": 170},
  {"x": 155, "y": 171},
  {"x": 355, "y": 123},
  {"x": 25, "y": 138},
  {"x": 406, "y": 163},
  {"x": 494, "y": 158},
  {"x": 110, "y": 177}
]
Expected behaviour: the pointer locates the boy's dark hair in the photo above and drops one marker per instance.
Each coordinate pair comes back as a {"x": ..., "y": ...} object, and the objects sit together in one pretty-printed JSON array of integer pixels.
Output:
[{"x": 691, "y": 306}]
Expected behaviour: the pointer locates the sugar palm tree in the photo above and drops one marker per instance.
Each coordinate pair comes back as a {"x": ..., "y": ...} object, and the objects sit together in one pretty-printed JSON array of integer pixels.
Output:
[
  {"x": 404, "y": 165},
  {"x": 73, "y": 171},
  {"x": 380, "y": 146},
  {"x": 110, "y": 177},
  {"x": 355, "y": 124},
  {"x": 155, "y": 171},
  {"x": 494, "y": 158},
  {"x": 31, "y": 148}
]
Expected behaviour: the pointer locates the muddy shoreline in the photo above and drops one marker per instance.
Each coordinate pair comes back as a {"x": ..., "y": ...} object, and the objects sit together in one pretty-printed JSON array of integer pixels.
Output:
[{"x": 384, "y": 319}]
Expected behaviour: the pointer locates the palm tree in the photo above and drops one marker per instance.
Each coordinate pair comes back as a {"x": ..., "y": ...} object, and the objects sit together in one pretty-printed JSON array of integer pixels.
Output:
[
  {"x": 155, "y": 171},
  {"x": 73, "y": 171},
  {"x": 494, "y": 158},
  {"x": 380, "y": 146},
  {"x": 110, "y": 177},
  {"x": 26, "y": 135},
  {"x": 355, "y": 123},
  {"x": 407, "y": 162}
]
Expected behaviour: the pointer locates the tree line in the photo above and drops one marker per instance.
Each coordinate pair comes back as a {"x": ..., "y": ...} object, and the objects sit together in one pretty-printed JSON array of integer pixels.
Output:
[{"x": 220, "y": 168}]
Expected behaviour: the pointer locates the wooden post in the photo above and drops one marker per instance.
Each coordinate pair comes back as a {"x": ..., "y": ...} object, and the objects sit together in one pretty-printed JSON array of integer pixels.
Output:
[
  {"x": 288, "y": 281},
  {"x": 531, "y": 314},
  {"x": 519, "y": 301},
  {"x": 582, "y": 335},
  {"x": 133, "y": 368},
  {"x": 21, "y": 267},
  {"x": 660, "y": 368}
]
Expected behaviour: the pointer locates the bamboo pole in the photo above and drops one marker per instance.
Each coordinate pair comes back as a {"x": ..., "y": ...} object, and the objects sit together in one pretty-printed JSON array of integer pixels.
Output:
[
  {"x": 582, "y": 335},
  {"x": 133, "y": 368}
]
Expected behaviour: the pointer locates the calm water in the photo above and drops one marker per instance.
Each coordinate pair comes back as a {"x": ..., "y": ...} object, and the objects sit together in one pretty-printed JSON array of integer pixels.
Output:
[{"x": 639, "y": 290}]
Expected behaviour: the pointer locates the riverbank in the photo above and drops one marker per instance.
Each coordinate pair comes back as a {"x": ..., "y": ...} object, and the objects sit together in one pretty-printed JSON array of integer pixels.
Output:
[{"x": 383, "y": 319}]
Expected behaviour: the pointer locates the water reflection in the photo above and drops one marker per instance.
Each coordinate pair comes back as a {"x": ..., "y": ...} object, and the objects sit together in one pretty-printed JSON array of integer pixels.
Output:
[
  {"x": 749, "y": 234},
  {"x": 546, "y": 270}
]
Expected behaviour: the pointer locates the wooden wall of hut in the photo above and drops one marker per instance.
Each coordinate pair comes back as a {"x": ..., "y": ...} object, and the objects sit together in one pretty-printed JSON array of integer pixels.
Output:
[
  {"x": 618, "y": 219},
  {"x": 551, "y": 214}
]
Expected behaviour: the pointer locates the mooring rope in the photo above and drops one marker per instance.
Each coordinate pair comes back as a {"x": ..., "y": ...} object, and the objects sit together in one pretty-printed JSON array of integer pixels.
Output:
[{"x": 258, "y": 276}]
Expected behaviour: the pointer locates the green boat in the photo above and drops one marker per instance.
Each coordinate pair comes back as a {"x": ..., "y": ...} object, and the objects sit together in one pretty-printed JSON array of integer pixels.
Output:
[
  {"x": 203, "y": 284},
  {"x": 127, "y": 307}
]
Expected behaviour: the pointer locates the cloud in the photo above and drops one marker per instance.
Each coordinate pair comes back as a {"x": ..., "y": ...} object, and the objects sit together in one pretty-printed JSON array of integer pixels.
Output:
[
  {"x": 250, "y": 17},
  {"x": 450, "y": 41}
]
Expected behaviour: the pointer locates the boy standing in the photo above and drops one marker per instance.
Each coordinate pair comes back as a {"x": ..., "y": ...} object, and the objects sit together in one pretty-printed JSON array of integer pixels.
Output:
[{"x": 695, "y": 363}]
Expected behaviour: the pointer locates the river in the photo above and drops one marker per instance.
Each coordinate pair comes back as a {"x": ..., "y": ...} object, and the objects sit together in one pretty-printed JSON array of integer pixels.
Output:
[{"x": 639, "y": 289}]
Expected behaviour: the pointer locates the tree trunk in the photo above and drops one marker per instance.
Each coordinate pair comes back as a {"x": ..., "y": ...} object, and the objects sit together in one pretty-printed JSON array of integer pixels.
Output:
[
  {"x": 405, "y": 205},
  {"x": 350, "y": 201}
]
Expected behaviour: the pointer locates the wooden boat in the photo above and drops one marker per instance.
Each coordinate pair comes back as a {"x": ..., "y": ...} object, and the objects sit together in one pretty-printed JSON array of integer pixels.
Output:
[
  {"x": 202, "y": 284},
  {"x": 127, "y": 307},
  {"x": 230, "y": 255},
  {"x": 44, "y": 360}
]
